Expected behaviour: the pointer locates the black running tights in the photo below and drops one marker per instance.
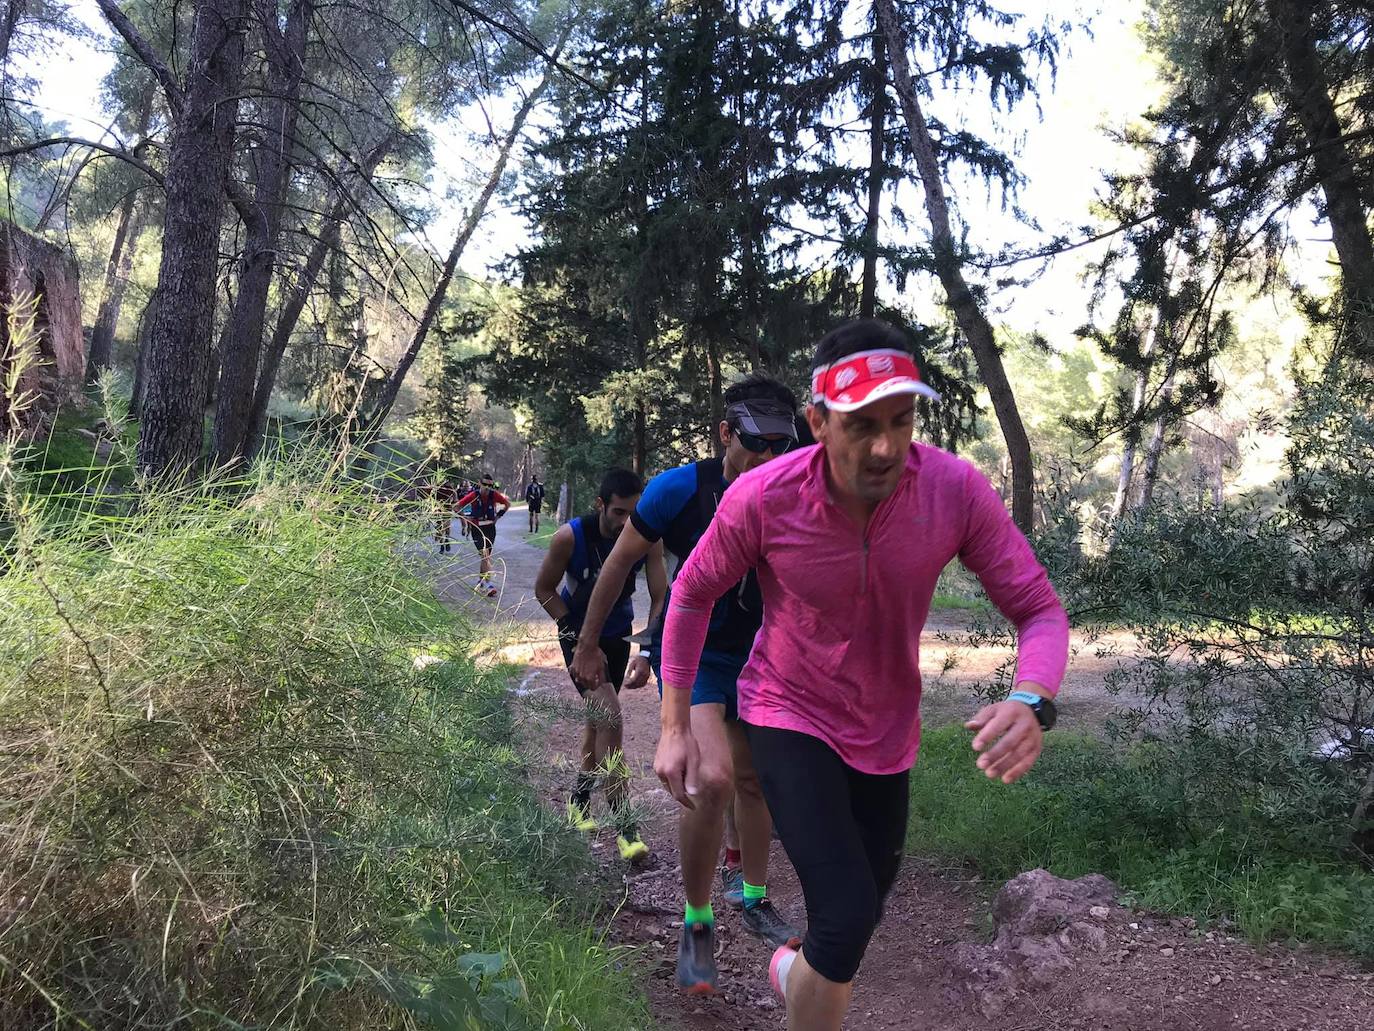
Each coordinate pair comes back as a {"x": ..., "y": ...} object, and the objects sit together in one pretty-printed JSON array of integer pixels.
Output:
[{"x": 843, "y": 831}]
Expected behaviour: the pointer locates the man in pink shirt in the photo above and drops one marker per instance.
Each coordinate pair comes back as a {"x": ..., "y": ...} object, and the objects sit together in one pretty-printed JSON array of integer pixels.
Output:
[{"x": 849, "y": 538}]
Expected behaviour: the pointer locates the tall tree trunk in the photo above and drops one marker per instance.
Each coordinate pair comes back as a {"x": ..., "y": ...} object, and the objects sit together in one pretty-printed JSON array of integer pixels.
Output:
[
  {"x": 974, "y": 324},
  {"x": 1132, "y": 441},
  {"x": 392, "y": 385},
  {"x": 716, "y": 389},
  {"x": 640, "y": 456},
  {"x": 750, "y": 281},
  {"x": 641, "y": 321},
  {"x": 1310, "y": 95},
  {"x": 117, "y": 269},
  {"x": 145, "y": 322},
  {"x": 1128, "y": 451},
  {"x": 639, "y": 327},
  {"x": 1155, "y": 451},
  {"x": 173, "y": 426},
  {"x": 1218, "y": 477},
  {"x": 272, "y": 166},
  {"x": 326, "y": 240},
  {"x": 876, "y": 175},
  {"x": 566, "y": 499},
  {"x": 14, "y": 10},
  {"x": 112, "y": 293}
]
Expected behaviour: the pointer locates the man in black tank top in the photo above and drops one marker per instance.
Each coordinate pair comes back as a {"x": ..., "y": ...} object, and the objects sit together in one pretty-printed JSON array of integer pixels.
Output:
[
  {"x": 577, "y": 551},
  {"x": 674, "y": 511}
]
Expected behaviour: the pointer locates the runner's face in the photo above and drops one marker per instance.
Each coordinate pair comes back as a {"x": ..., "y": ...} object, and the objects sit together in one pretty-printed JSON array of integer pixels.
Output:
[
  {"x": 615, "y": 515},
  {"x": 739, "y": 457},
  {"x": 866, "y": 450}
]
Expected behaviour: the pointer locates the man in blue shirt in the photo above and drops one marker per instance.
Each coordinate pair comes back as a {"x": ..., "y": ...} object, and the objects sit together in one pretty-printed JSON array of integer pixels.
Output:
[
  {"x": 577, "y": 552},
  {"x": 675, "y": 509}
]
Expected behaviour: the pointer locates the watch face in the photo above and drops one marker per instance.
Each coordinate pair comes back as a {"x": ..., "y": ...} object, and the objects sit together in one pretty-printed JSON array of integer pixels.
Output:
[{"x": 1046, "y": 713}]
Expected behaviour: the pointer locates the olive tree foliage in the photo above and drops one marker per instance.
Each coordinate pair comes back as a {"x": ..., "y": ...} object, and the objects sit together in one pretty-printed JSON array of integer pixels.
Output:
[{"x": 1250, "y": 685}]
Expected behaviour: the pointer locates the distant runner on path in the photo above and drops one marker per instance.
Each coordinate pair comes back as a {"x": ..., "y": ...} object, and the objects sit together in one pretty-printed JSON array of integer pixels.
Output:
[
  {"x": 577, "y": 551},
  {"x": 676, "y": 508},
  {"x": 848, "y": 539},
  {"x": 487, "y": 505},
  {"x": 534, "y": 497}
]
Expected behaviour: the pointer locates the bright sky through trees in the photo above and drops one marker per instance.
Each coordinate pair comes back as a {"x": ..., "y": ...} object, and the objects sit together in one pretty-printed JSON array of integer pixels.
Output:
[{"x": 1105, "y": 81}]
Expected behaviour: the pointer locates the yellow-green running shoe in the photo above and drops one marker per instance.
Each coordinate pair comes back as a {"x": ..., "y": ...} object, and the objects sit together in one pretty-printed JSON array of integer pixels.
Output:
[
  {"x": 632, "y": 849},
  {"x": 579, "y": 819}
]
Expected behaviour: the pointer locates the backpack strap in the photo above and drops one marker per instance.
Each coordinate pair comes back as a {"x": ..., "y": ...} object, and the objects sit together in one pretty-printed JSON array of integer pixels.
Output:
[
  {"x": 710, "y": 488},
  {"x": 579, "y": 555}
]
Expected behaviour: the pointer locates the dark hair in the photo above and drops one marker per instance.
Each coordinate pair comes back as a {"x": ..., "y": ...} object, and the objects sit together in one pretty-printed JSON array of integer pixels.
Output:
[
  {"x": 855, "y": 336},
  {"x": 758, "y": 387},
  {"x": 621, "y": 483}
]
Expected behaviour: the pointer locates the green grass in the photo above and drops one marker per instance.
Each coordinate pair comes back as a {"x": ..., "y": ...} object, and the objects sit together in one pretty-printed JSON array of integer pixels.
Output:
[
  {"x": 67, "y": 459},
  {"x": 233, "y": 800},
  {"x": 542, "y": 538},
  {"x": 959, "y": 603},
  {"x": 1083, "y": 810},
  {"x": 548, "y": 524},
  {"x": 959, "y": 590}
]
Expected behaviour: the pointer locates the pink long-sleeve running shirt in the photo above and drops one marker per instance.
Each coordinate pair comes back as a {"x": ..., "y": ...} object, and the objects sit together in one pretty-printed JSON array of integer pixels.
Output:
[{"x": 838, "y": 657}]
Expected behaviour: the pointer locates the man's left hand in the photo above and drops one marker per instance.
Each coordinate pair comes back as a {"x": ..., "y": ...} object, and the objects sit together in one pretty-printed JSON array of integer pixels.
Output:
[
  {"x": 638, "y": 673},
  {"x": 1009, "y": 739}
]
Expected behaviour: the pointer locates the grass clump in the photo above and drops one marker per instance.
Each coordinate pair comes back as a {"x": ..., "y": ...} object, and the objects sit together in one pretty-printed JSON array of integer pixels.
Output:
[
  {"x": 233, "y": 794},
  {"x": 1085, "y": 809}
]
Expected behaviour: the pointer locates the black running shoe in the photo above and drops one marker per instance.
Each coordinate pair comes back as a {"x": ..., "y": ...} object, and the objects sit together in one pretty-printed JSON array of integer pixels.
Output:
[
  {"x": 696, "y": 959},
  {"x": 762, "y": 919}
]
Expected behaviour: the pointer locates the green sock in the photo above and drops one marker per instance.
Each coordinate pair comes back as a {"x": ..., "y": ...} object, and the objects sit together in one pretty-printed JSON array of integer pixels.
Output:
[
  {"x": 699, "y": 915},
  {"x": 754, "y": 894}
]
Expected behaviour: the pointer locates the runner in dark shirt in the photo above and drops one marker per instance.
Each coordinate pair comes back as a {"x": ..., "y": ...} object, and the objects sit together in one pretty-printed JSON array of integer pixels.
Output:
[
  {"x": 677, "y": 506},
  {"x": 534, "y": 497},
  {"x": 576, "y": 553}
]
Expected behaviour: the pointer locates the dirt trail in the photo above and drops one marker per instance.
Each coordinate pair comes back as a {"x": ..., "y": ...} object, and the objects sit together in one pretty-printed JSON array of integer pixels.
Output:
[{"x": 930, "y": 964}]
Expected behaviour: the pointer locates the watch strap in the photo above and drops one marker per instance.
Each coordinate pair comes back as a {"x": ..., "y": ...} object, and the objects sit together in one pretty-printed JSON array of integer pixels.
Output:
[{"x": 1028, "y": 697}]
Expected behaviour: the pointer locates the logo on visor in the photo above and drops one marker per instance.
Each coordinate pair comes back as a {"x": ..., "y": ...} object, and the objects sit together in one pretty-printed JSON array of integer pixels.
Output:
[
  {"x": 880, "y": 365},
  {"x": 844, "y": 399},
  {"x": 845, "y": 377}
]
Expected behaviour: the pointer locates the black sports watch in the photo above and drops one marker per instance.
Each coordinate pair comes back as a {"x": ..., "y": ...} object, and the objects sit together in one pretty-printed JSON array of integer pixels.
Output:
[{"x": 1043, "y": 708}]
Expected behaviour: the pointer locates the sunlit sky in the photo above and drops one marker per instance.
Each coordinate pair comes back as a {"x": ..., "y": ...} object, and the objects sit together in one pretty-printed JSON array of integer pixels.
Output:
[{"x": 1105, "y": 80}]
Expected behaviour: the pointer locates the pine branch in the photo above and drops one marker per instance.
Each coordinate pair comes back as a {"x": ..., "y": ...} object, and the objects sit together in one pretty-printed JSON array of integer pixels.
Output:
[{"x": 77, "y": 141}]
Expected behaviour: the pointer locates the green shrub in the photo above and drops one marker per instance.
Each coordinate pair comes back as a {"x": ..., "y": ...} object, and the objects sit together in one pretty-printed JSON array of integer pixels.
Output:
[
  {"x": 1085, "y": 809},
  {"x": 229, "y": 797},
  {"x": 1251, "y": 673}
]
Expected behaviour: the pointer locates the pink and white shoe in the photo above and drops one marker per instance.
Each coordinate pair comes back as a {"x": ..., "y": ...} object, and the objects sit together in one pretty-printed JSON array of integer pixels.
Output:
[{"x": 778, "y": 967}]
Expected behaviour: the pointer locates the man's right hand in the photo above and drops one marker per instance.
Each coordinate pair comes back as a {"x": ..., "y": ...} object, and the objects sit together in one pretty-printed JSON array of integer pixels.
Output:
[
  {"x": 589, "y": 666},
  {"x": 677, "y": 763}
]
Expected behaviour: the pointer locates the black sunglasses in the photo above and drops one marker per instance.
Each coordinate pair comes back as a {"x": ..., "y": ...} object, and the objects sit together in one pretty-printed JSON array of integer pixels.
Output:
[{"x": 759, "y": 445}]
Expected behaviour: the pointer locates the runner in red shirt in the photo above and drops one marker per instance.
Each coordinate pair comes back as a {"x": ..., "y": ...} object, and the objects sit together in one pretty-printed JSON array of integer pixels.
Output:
[{"x": 488, "y": 505}]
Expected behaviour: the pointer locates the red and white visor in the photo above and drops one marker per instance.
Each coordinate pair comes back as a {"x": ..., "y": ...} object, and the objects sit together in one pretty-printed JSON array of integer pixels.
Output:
[{"x": 860, "y": 379}]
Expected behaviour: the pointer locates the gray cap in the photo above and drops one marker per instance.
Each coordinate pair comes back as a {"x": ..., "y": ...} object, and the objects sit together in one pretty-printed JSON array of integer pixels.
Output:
[{"x": 763, "y": 417}]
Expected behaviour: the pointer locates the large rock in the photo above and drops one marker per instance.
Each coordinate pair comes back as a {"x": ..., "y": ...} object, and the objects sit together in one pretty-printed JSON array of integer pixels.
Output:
[
  {"x": 39, "y": 277},
  {"x": 1041, "y": 922},
  {"x": 1037, "y": 903}
]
